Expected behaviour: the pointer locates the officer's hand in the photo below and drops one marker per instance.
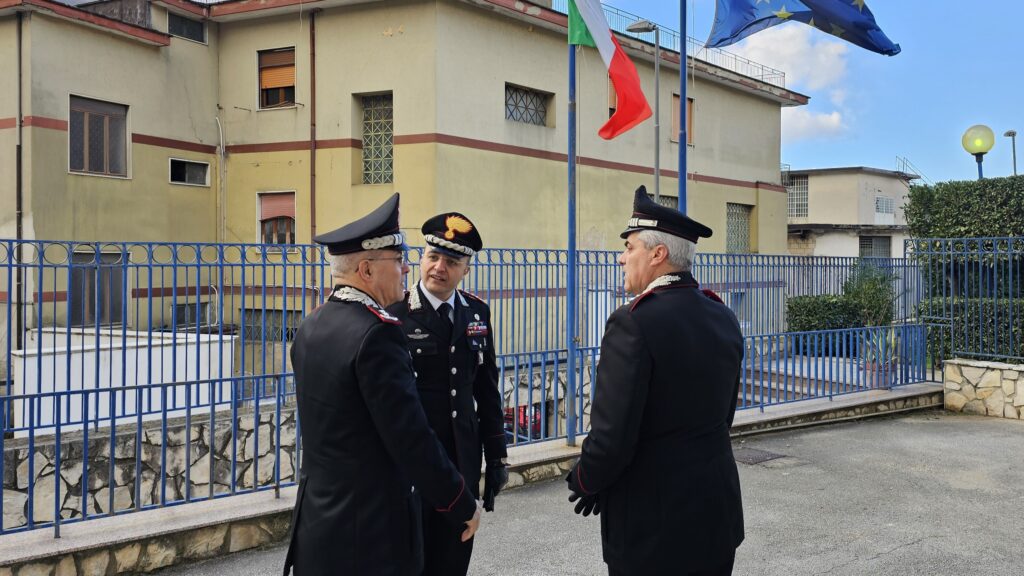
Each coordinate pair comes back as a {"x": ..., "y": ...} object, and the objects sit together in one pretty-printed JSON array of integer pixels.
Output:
[
  {"x": 473, "y": 524},
  {"x": 495, "y": 478},
  {"x": 587, "y": 504}
]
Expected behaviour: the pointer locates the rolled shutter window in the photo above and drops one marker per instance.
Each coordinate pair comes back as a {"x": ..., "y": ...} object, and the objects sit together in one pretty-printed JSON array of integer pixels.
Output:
[
  {"x": 277, "y": 69},
  {"x": 277, "y": 206}
]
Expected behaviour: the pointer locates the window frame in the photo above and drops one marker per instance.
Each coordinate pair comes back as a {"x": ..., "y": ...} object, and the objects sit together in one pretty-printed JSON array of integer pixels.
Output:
[
  {"x": 170, "y": 171},
  {"x": 127, "y": 175},
  {"x": 873, "y": 240},
  {"x": 106, "y": 275},
  {"x": 366, "y": 177},
  {"x": 259, "y": 80},
  {"x": 749, "y": 213},
  {"x": 691, "y": 107},
  {"x": 795, "y": 202},
  {"x": 206, "y": 36},
  {"x": 548, "y": 99},
  {"x": 260, "y": 220}
]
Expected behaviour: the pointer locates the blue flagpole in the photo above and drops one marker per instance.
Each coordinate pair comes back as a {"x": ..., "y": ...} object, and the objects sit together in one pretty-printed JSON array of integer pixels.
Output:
[
  {"x": 570, "y": 379},
  {"x": 683, "y": 146}
]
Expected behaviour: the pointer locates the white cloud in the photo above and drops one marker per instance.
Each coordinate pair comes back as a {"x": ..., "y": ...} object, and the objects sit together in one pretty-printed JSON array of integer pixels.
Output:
[
  {"x": 804, "y": 124},
  {"x": 810, "y": 59}
]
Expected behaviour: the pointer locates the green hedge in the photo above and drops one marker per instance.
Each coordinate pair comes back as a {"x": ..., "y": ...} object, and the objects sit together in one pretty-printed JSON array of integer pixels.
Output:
[
  {"x": 979, "y": 326},
  {"x": 967, "y": 208},
  {"x": 825, "y": 312}
]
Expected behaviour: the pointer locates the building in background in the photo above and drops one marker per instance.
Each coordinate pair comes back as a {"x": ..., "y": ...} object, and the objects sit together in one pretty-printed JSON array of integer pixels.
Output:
[
  {"x": 853, "y": 211},
  {"x": 168, "y": 120}
]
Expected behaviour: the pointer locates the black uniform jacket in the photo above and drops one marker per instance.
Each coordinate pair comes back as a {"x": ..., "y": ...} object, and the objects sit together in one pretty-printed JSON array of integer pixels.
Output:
[
  {"x": 452, "y": 373},
  {"x": 368, "y": 451},
  {"x": 658, "y": 451}
]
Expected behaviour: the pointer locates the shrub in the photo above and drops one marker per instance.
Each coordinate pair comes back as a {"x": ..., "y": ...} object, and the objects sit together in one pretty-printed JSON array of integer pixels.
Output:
[
  {"x": 824, "y": 312},
  {"x": 870, "y": 290},
  {"x": 979, "y": 328}
]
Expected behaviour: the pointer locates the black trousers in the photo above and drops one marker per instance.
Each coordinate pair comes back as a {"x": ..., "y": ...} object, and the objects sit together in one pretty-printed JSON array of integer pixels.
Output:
[
  {"x": 723, "y": 570},
  {"x": 444, "y": 552}
]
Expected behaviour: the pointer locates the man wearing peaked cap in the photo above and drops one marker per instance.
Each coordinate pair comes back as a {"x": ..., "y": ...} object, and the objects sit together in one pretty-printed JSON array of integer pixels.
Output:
[
  {"x": 368, "y": 451},
  {"x": 452, "y": 345},
  {"x": 657, "y": 464}
]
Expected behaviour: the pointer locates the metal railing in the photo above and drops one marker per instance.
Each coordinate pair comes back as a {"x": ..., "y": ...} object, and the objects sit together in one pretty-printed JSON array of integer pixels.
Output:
[
  {"x": 619, "y": 20},
  {"x": 150, "y": 374},
  {"x": 972, "y": 296}
]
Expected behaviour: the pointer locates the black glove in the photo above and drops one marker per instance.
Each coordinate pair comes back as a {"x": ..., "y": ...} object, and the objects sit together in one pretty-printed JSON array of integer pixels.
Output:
[
  {"x": 587, "y": 504},
  {"x": 495, "y": 478}
]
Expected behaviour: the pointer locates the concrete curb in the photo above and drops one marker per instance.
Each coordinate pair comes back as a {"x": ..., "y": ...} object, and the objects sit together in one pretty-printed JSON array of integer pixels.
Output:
[{"x": 143, "y": 542}]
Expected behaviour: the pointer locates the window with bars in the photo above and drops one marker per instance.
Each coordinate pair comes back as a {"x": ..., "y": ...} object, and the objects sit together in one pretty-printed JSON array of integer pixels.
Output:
[
  {"x": 666, "y": 201},
  {"x": 378, "y": 138},
  {"x": 796, "y": 196},
  {"x": 875, "y": 246},
  {"x": 737, "y": 228},
  {"x": 178, "y": 25},
  {"x": 885, "y": 205},
  {"x": 270, "y": 325},
  {"x": 277, "y": 77},
  {"x": 277, "y": 218},
  {"x": 97, "y": 137},
  {"x": 526, "y": 105},
  {"x": 97, "y": 289}
]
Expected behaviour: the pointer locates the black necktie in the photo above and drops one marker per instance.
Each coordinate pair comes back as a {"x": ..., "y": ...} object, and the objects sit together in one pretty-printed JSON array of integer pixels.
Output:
[{"x": 444, "y": 311}]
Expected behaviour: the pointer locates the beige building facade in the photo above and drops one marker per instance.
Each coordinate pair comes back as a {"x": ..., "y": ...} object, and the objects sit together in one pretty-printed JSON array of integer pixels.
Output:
[
  {"x": 853, "y": 212},
  {"x": 268, "y": 122}
]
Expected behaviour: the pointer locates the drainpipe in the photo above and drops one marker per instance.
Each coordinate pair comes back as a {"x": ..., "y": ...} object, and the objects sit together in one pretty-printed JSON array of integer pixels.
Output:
[
  {"x": 19, "y": 201},
  {"x": 221, "y": 207},
  {"x": 312, "y": 124}
]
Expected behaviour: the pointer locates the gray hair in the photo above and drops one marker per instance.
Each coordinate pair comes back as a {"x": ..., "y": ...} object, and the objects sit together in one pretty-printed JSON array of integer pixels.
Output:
[
  {"x": 680, "y": 250},
  {"x": 344, "y": 264}
]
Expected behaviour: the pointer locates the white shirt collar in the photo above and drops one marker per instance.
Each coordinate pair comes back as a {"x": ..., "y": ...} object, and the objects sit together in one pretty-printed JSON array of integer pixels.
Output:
[{"x": 435, "y": 301}]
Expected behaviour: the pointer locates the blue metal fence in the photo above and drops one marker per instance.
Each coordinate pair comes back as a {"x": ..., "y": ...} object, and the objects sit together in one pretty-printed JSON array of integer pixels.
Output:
[
  {"x": 973, "y": 296},
  {"x": 149, "y": 374}
]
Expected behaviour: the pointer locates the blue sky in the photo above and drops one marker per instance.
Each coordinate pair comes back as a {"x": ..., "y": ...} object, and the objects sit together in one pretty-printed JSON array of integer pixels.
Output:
[{"x": 961, "y": 64}]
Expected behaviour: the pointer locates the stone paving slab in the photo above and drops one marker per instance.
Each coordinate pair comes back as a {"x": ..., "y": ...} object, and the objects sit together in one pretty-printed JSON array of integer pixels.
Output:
[
  {"x": 916, "y": 494},
  {"x": 149, "y": 540}
]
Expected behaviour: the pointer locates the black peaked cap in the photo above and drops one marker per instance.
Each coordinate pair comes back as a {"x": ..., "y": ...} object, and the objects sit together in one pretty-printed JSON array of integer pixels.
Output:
[
  {"x": 649, "y": 215},
  {"x": 376, "y": 230},
  {"x": 453, "y": 234}
]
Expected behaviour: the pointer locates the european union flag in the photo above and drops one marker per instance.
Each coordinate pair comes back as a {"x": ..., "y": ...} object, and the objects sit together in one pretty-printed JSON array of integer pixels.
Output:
[{"x": 850, "y": 20}]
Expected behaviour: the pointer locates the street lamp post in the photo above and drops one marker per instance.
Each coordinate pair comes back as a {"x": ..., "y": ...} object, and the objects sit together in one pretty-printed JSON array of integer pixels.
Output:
[
  {"x": 978, "y": 140},
  {"x": 648, "y": 26},
  {"x": 1012, "y": 135}
]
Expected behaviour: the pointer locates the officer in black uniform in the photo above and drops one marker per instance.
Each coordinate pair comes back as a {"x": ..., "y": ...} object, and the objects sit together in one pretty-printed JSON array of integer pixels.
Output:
[
  {"x": 450, "y": 338},
  {"x": 657, "y": 464},
  {"x": 368, "y": 452}
]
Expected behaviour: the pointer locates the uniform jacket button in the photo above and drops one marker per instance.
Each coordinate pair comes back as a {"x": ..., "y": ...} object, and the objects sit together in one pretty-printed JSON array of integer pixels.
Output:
[
  {"x": 412, "y": 489},
  {"x": 455, "y": 413},
  {"x": 454, "y": 370},
  {"x": 453, "y": 348},
  {"x": 453, "y": 391},
  {"x": 419, "y": 351}
]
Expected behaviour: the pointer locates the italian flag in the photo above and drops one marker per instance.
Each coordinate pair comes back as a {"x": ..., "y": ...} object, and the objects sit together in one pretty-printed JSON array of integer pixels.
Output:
[{"x": 588, "y": 27}]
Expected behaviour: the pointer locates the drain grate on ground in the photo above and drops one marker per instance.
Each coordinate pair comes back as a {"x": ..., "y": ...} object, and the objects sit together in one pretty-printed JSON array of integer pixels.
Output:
[{"x": 753, "y": 456}]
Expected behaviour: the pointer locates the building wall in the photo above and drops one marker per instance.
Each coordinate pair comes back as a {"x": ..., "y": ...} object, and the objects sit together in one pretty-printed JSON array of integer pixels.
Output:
[
  {"x": 844, "y": 243},
  {"x": 531, "y": 193},
  {"x": 849, "y": 197},
  {"x": 8, "y": 124},
  {"x": 384, "y": 50},
  {"x": 167, "y": 97},
  {"x": 453, "y": 147}
]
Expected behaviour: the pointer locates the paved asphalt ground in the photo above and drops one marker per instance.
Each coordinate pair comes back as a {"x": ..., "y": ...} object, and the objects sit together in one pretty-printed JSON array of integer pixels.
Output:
[{"x": 927, "y": 493}]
